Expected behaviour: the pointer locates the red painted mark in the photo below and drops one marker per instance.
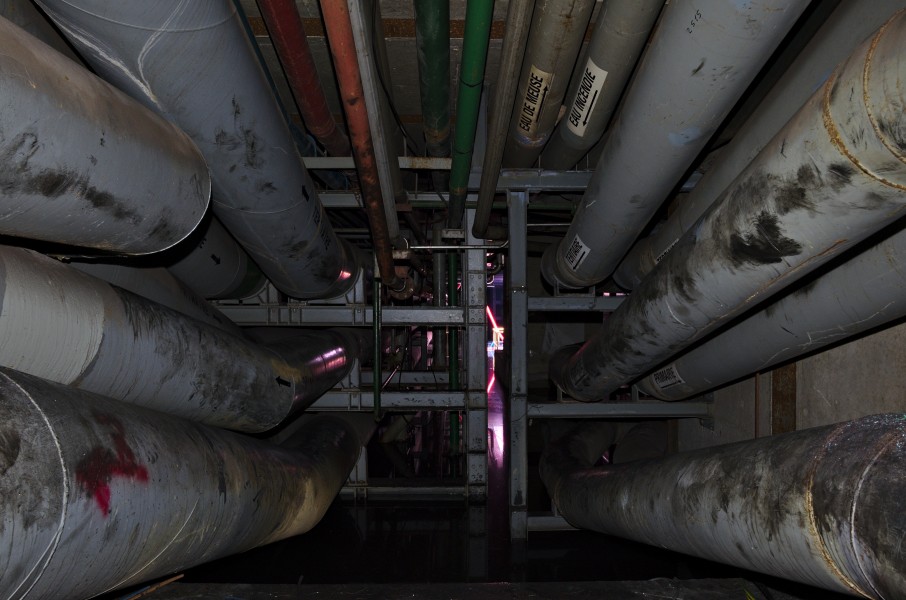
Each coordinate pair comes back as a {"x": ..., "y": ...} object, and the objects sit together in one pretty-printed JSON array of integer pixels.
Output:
[{"x": 95, "y": 471}]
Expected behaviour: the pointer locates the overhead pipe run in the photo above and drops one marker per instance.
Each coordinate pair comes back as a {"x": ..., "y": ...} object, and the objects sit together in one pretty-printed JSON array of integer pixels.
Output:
[
  {"x": 84, "y": 477},
  {"x": 702, "y": 57},
  {"x": 863, "y": 293},
  {"x": 342, "y": 48},
  {"x": 291, "y": 43},
  {"x": 518, "y": 19},
  {"x": 619, "y": 36},
  {"x": 193, "y": 63},
  {"x": 66, "y": 326},
  {"x": 432, "y": 39},
  {"x": 479, "y": 14},
  {"x": 556, "y": 35},
  {"x": 103, "y": 173},
  {"x": 832, "y": 177},
  {"x": 823, "y": 506}
]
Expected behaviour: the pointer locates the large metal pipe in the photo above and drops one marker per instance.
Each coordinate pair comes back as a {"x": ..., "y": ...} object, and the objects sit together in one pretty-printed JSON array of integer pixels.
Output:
[
  {"x": 518, "y": 20},
  {"x": 702, "y": 57},
  {"x": 833, "y": 176},
  {"x": 468, "y": 103},
  {"x": 342, "y": 48},
  {"x": 66, "y": 326},
  {"x": 83, "y": 164},
  {"x": 193, "y": 63},
  {"x": 432, "y": 40},
  {"x": 824, "y": 506},
  {"x": 863, "y": 293},
  {"x": 847, "y": 26},
  {"x": 291, "y": 43},
  {"x": 556, "y": 35},
  {"x": 620, "y": 33},
  {"x": 97, "y": 495}
]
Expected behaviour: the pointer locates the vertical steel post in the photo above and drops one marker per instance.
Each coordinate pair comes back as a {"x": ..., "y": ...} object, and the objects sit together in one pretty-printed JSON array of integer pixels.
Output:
[
  {"x": 474, "y": 284},
  {"x": 453, "y": 342},
  {"x": 517, "y": 343},
  {"x": 378, "y": 347}
]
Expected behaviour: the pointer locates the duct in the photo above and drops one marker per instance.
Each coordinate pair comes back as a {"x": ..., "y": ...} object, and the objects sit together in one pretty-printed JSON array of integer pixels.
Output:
[
  {"x": 848, "y": 25},
  {"x": 700, "y": 61},
  {"x": 342, "y": 48},
  {"x": 558, "y": 28},
  {"x": 376, "y": 103},
  {"x": 822, "y": 506},
  {"x": 66, "y": 326},
  {"x": 193, "y": 63},
  {"x": 620, "y": 33},
  {"x": 104, "y": 173},
  {"x": 84, "y": 477},
  {"x": 833, "y": 176},
  {"x": 160, "y": 286},
  {"x": 468, "y": 103},
  {"x": 217, "y": 267},
  {"x": 518, "y": 17},
  {"x": 863, "y": 293}
]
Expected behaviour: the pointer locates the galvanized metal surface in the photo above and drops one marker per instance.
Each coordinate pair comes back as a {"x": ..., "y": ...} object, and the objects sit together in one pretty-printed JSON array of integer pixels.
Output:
[
  {"x": 97, "y": 495},
  {"x": 83, "y": 164},
  {"x": 66, "y": 326},
  {"x": 360, "y": 400},
  {"x": 828, "y": 180},
  {"x": 555, "y": 37},
  {"x": 617, "y": 42},
  {"x": 823, "y": 506},
  {"x": 193, "y": 63},
  {"x": 618, "y": 410},
  {"x": 701, "y": 59}
]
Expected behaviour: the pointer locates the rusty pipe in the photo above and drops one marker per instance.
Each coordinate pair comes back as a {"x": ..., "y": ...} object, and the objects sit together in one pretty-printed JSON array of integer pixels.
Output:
[
  {"x": 291, "y": 43},
  {"x": 823, "y": 506},
  {"x": 342, "y": 48}
]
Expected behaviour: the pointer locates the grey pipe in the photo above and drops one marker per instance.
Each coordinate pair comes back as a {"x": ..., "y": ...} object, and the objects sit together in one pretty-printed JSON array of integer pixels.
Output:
[
  {"x": 621, "y": 30},
  {"x": 556, "y": 34},
  {"x": 23, "y": 13},
  {"x": 217, "y": 267},
  {"x": 66, "y": 326},
  {"x": 193, "y": 63},
  {"x": 83, "y": 164},
  {"x": 701, "y": 59},
  {"x": 832, "y": 177},
  {"x": 822, "y": 506},
  {"x": 97, "y": 495},
  {"x": 846, "y": 28},
  {"x": 863, "y": 293}
]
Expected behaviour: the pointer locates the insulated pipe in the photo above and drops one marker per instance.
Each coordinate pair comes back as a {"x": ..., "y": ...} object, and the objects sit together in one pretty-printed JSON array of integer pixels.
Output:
[
  {"x": 66, "y": 326},
  {"x": 288, "y": 35},
  {"x": 620, "y": 33},
  {"x": 217, "y": 267},
  {"x": 863, "y": 293},
  {"x": 83, "y": 164},
  {"x": 558, "y": 28},
  {"x": 702, "y": 57},
  {"x": 342, "y": 48},
  {"x": 847, "y": 26},
  {"x": 833, "y": 176},
  {"x": 23, "y": 13},
  {"x": 193, "y": 63},
  {"x": 823, "y": 506},
  {"x": 468, "y": 103},
  {"x": 432, "y": 41},
  {"x": 97, "y": 495},
  {"x": 518, "y": 18}
]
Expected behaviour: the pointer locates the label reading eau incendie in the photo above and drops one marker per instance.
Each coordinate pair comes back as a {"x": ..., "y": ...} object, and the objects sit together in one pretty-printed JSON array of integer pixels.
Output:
[{"x": 589, "y": 89}]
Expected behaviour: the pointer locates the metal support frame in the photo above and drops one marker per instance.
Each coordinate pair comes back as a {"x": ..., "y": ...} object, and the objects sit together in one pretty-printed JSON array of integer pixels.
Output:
[
  {"x": 474, "y": 300},
  {"x": 518, "y": 338}
]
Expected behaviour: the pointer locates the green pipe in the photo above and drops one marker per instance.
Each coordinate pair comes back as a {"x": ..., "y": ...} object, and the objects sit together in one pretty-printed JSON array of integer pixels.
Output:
[
  {"x": 378, "y": 347},
  {"x": 471, "y": 78},
  {"x": 432, "y": 39},
  {"x": 453, "y": 341}
]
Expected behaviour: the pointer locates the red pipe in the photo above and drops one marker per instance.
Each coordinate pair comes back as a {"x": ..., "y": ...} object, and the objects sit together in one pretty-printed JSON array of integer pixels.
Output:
[
  {"x": 342, "y": 48},
  {"x": 291, "y": 43}
]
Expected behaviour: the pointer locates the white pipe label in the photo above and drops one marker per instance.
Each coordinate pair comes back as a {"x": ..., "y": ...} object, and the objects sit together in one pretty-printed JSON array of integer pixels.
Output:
[
  {"x": 667, "y": 377},
  {"x": 660, "y": 257},
  {"x": 589, "y": 89},
  {"x": 576, "y": 253},
  {"x": 538, "y": 85}
]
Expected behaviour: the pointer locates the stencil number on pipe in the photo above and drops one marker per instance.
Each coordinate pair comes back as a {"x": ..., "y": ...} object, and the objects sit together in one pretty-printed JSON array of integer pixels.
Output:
[
  {"x": 667, "y": 377},
  {"x": 589, "y": 89},
  {"x": 576, "y": 253},
  {"x": 694, "y": 21},
  {"x": 538, "y": 85}
]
